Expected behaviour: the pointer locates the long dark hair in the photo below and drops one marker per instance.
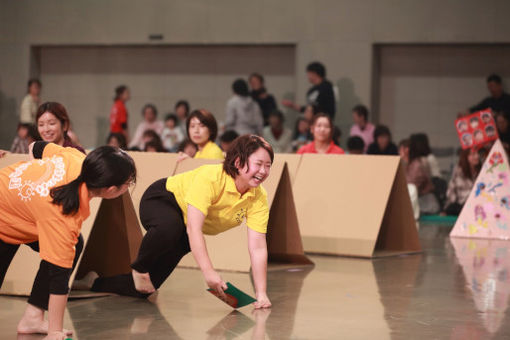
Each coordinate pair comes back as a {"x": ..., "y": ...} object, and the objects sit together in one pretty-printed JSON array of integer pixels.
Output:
[
  {"x": 465, "y": 166},
  {"x": 104, "y": 167}
]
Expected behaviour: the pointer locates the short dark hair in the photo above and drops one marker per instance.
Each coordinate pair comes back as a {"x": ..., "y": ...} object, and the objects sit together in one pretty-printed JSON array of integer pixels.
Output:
[
  {"x": 184, "y": 103},
  {"x": 494, "y": 78},
  {"x": 278, "y": 114},
  {"x": 119, "y": 90},
  {"x": 119, "y": 137},
  {"x": 361, "y": 110},
  {"x": 418, "y": 146},
  {"x": 34, "y": 81},
  {"x": 355, "y": 143},
  {"x": 381, "y": 130},
  {"x": 404, "y": 143},
  {"x": 150, "y": 106},
  {"x": 323, "y": 115},
  {"x": 240, "y": 87},
  {"x": 171, "y": 116},
  {"x": 317, "y": 68},
  {"x": 241, "y": 149},
  {"x": 259, "y": 76},
  {"x": 207, "y": 118},
  {"x": 229, "y": 136},
  {"x": 184, "y": 144}
]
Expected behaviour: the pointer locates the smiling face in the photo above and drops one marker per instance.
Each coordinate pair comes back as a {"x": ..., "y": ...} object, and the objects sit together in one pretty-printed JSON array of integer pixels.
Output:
[
  {"x": 255, "y": 172},
  {"x": 321, "y": 130},
  {"x": 50, "y": 128},
  {"x": 198, "y": 132}
]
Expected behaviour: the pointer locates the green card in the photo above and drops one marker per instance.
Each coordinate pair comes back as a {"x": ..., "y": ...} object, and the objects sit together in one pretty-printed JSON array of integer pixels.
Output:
[{"x": 235, "y": 297}]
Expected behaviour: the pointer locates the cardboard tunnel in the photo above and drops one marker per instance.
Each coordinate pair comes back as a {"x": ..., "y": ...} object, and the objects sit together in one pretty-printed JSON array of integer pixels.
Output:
[
  {"x": 111, "y": 237},
  {"x": 229, "y": 250},
  {"x": 354, "y": 205}
]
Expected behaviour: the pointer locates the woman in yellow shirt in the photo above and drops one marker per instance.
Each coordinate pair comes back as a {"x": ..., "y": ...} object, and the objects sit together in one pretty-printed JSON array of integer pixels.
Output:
[
  {"x": 177, "y": 211},
  {"x": 202, "y": 130},
  {"x": 43, "y": 203}
]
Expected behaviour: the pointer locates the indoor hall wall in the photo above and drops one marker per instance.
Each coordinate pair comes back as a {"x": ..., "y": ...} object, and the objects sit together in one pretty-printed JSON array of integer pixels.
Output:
[
  {"x": 84, "y": 78},
  {"x": 341, "y": 33}
]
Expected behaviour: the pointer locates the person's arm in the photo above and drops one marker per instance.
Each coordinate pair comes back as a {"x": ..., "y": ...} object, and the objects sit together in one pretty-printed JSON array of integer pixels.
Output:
[
  {"x": 257, "y": 247},
  {"x": 290, "y": 104},
  {"x": 199, "y": 250},
  {"x": 137, "y": 138},
  {"x": 480, "y": 106}
]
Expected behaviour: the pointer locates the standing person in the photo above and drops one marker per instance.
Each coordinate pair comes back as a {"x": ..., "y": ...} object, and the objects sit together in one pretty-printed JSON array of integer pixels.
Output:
[
  {"x": 243, "y": 115},
  {"x": 322, "y": 131},
  {"x": 182, "y": 110},
  {"x": 31, "y": 102},
  {"x": 259, "y": 93},
  {"x": 498, "y": 101},
  {"x": 150, "y": 122},
  {"x": 202, "y": 130},
  {"x": 118, "y": 113},
  {"x": 177, "y": 211},
  {"x": 382, "y": 144},
  {"x": 362, "y": 127},
  {"x": 503, "y": 126},
  {"x": 43, "y": 204},
  {"x": 53, "y": 124},
  {"x": 277, "y": 134},
  {"x": 321, "y": 94},
  {"x": 172, "y": 134}
]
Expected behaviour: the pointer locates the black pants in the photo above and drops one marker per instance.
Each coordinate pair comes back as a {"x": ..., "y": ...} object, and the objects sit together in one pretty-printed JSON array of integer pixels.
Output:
[
  {"x": 163, "y": 246},
  {"x": 40, "y": 294}
]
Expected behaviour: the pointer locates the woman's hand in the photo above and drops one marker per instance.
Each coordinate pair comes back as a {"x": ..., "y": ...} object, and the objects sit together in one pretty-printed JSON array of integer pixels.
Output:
[
  {"x": 182, "y": 156},
  {"x": 262, "y": 301},
  {"x": 215, "y": 282},
  {"x": 3, "y": 153}
]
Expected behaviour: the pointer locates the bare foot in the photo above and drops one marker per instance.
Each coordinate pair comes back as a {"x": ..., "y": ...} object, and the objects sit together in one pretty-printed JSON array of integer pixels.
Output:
[
  {"x": 86, "y": 282},
  {"x": 27, "y": 326},
  {"x": 143, "y": 282}
]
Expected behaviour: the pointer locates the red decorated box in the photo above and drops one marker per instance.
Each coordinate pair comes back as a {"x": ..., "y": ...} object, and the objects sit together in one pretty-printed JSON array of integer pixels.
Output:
[{"x": 476, "y": 129}]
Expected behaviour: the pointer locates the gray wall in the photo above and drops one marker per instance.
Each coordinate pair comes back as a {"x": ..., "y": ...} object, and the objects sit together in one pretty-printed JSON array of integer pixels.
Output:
[{"x": 339, "y": 33}]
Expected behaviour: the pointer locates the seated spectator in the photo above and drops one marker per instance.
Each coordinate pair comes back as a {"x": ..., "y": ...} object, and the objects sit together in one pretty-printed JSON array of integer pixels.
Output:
[
  {"x": 172, "y": 134},
  {"x": 362, "y": 127},
  {"x": 421, "y": 145},
  {"x": 149, "y": 122},
  {"x": 302, "y": 135},
  {"x": 117, "y": 140},
  {"x": 182, "y": 109},
  {"x": 26, "y": 134},
  {"x": 417, "y": 173},
  {"x": 188, "y": 148},
  {"x": 355, "y": 145},
  {"x": 226, "y": 139},
  {"x": 462, "y": 181},
  {"x": 503, "y": 126},
  {"x": 202, "y": 130},
  {"x": 322, "y": 131},
  {"x": 382, "y": 144},
  {"x": 243, "y": 114},
  {"x": 276, "y": 134},
  {"x": 259, "y": 93},
  {"x": 154, "y": 145}
]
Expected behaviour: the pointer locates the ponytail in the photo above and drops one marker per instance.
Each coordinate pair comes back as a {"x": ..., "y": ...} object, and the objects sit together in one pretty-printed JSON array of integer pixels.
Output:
[{"x": 68, "y": 196}]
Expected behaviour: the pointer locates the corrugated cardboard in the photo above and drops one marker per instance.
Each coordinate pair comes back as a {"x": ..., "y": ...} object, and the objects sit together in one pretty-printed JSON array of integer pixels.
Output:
[
  {"x": 354, "y": 205},
  {"x": 293, "y": 161},
  {"x": 229, "y": 250},
  {"x": 486, "y": 213},
  {"x": 111, "y": 237}
]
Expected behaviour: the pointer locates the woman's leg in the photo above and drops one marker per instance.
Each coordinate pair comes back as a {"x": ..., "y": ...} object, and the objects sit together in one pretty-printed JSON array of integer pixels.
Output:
[{"x": 7, "y": 252}]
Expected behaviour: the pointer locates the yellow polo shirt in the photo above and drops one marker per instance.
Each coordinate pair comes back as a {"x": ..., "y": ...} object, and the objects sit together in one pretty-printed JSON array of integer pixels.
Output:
[
  {"x": 210, "y": 151},
  {"x": 212, "y": 191}
]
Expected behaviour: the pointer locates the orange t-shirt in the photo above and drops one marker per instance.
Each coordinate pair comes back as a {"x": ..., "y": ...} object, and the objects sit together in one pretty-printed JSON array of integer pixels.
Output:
[{"x": 26, "y": 212}]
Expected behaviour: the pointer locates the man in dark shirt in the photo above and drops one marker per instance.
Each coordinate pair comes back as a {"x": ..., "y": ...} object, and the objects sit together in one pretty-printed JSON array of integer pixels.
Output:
[
  {"x": 499, "y": 101},
  {"x": 320, "y": 94},
  {"x": 259, "y": 94}
]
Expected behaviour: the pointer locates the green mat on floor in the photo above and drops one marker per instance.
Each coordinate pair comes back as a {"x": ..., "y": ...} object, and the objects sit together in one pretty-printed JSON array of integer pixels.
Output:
[{"x": 438, "y": 219}]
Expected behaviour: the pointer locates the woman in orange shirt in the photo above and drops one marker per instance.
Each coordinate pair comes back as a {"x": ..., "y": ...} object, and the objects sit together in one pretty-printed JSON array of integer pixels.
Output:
[{"x": 43, "y": 203}]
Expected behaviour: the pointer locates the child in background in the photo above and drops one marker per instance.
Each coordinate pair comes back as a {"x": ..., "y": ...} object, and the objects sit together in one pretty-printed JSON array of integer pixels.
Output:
[
  {"x": 117, "y": 140},
  {"x": 172, "y": 135},
  {"x": 152, "y": 138},
  {"x": 150, "y": 122},
  {"x": 302, "y": 134},
  {"x": 187, "y": 147},
  {"x": 27, "y": 133},
  {"x": 355, "y": 145},
  {"x": 227, "y": 138}
]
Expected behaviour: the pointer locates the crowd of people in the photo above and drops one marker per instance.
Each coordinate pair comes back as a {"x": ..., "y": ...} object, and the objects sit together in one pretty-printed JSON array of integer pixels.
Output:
[{"x": 253, "y": 110}]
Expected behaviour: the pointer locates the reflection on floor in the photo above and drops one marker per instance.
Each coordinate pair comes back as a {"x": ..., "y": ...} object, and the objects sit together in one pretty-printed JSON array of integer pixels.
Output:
[{"x": 457, "y": 289}]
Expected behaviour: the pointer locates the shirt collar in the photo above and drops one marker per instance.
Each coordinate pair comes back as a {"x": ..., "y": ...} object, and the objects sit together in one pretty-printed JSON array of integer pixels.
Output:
[{"x": 230, "y": 186}]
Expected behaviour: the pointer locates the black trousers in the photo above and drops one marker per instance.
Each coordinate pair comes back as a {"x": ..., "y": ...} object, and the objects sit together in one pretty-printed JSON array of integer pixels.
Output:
[
  {"x": 40, "y": 294},
  {"x": 163, "y": 246}
]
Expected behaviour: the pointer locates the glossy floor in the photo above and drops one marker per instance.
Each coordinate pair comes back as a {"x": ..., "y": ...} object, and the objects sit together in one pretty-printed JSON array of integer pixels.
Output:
[{"x": 457, "y": 289}]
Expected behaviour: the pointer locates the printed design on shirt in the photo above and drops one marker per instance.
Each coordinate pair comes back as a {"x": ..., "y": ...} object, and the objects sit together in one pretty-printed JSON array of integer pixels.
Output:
[
  {"x": 240, "y": 215},
  {"x": 54, "y": 173},
  {"x": 312, "y": 97}
]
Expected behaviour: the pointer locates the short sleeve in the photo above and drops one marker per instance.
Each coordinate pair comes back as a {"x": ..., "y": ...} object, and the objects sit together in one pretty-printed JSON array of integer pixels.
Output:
[
  {"x": 51, "y": 149},
  {"x": 257, "y": 215},
  {"x": 57, "y": 240},
  {"x": 200, "y": 193}
]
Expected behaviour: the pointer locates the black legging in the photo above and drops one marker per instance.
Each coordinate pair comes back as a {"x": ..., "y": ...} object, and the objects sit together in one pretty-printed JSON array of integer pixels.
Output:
[
  {"x": 40, "y": 294},
  {"x": 163, "y": 246}
]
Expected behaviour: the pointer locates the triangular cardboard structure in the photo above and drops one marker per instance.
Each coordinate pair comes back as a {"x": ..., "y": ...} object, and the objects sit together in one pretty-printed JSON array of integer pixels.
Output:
[
  {"x": 486, "y": 264},
  {"x": 486, "y": 213},
  {"x": 111, "y": 237},
  {"x": 354, "y": 205},
  {"x": 229, "y": 250},
  {"x": 293, "y": 161}
]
